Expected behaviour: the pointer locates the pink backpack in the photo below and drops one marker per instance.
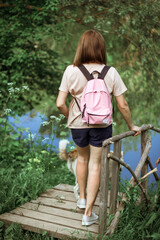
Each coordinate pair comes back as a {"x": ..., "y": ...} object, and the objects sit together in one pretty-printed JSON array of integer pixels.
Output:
[{"x": 96, "y": 106}]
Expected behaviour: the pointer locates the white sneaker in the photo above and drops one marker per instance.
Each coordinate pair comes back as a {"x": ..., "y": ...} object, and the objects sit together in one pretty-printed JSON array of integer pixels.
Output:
[
  {"x": 81, "y": 203},
  {"x": 89, "y": 220}
]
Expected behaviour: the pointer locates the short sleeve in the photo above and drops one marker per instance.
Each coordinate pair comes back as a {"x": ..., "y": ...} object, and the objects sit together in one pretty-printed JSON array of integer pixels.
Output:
[
  {"x": 118, "y": 85},
  {"x": 64, "y": 83}
]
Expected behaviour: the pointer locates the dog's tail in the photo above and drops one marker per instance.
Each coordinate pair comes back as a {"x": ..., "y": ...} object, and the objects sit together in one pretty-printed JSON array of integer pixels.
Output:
[{"x": 62, "y": 149}]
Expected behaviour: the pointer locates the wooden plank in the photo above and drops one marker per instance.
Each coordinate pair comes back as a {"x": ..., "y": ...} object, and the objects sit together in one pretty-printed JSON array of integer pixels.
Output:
[
  {"x": 72, "y": 223},
  {"x": 60, "y": 217},
  {"x": 40, "y": 226},
  {"x": 104, "y": 189},
  {"x": 67, "y": 188},
  {"x": 55, "y": 211},
  {"x": 67, "y": 196},
  {"x": 71, "y": 206},
  {"x": 56, "y": 203},
  {"x": 115, "y": 178},
  {"x": 64, "y": 187},
  {"x": 57, "y": 194},
  {"x": 51, "y": 210},
  {"x": 115, "y": 220}
]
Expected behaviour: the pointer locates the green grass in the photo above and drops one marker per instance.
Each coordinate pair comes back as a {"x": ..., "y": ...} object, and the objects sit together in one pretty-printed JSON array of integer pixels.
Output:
[{"x": 28, "y": 168}]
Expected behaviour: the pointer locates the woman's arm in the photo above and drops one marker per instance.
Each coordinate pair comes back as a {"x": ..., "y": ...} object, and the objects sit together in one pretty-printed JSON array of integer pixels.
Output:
[
  {"x": 125, "y": 111},
  {"x": 158, "y": 161},
  {"x": 61, "y": 103}
]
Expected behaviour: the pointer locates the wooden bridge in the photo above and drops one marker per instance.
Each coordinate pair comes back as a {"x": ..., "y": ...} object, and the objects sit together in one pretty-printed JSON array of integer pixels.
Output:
[{"x": 56, "y": 212}]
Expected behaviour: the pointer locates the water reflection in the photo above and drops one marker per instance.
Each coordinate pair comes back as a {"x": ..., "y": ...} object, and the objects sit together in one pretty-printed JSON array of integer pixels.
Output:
[{"x": 130, "y": 146}]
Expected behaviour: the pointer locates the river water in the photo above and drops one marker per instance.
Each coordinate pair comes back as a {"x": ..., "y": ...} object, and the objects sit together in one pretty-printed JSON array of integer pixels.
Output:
[{"x": 131, "y": 154}]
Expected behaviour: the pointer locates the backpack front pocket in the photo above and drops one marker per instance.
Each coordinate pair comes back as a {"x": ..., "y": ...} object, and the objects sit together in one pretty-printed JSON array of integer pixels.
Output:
[{"x": 98, "y": 119}]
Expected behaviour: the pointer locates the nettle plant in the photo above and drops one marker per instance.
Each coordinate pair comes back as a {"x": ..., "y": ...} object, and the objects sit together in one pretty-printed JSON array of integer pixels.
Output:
[
  {"x": 10, "y": 137},
  {"x": 43, "y": 155},
  {"x": 29, "y": 163},
  {"x": 18, "y": 143},
  {"x": 11, "y": 98}
]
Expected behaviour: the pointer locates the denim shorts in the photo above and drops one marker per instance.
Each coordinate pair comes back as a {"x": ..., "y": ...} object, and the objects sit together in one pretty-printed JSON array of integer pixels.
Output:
[{"x": 91, "y": 136}]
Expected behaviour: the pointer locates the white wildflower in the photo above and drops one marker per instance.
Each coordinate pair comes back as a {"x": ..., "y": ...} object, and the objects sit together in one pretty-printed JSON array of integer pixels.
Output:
[
  {"x": 45, "y": 139},
  {"x": 7, "y": 111},
  {"x": 10, "y": 83},
  {"x": 11, "y": 90},
  {"x": 52, "y": 117},
  {"x": 61, "y": 116},
  {"x": 57, "y": 119},
  {"x": 25, "y": 88},
  {"x": 17, "y": 89},
  {"x": 31, "y": 135},
  {"x": 45, "y": 123}
]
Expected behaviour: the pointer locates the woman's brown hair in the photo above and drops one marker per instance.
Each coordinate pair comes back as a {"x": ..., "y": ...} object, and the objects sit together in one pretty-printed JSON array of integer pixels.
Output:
[{"x": 91, "y": 49}]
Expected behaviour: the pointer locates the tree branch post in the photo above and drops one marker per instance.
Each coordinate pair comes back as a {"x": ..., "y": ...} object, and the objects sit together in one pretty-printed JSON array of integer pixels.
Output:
[
  {"x": 115, "y": 178},
  {"x": 104, "y": 190}
]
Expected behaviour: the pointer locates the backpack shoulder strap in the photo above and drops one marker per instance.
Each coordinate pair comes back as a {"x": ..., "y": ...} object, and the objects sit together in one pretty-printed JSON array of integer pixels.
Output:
[
  {"x": 77, "y": 103},
  {"x": 104, "y": 72},
  {"x": 86, "y": 73}
]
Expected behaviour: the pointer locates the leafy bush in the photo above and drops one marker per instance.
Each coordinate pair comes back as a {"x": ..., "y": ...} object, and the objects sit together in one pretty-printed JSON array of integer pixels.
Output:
[
  {"x": 28, "y": 165},
  {"x": 138, "y": 222}
]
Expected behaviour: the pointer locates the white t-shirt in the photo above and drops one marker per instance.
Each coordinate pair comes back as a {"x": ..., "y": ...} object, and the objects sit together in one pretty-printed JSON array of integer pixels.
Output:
[{"x": 74, "y": 81}]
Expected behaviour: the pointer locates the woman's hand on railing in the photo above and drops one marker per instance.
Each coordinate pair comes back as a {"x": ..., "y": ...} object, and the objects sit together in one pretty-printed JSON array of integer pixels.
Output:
[
  {"x": 158, "y": 161},
  {"x": 136, "y": 129}
]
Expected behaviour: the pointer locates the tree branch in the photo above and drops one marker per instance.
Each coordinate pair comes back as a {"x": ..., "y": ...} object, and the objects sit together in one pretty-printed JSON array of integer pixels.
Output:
[
  {"x": 142, "y": 160},
  {"x": 131, "y": 171},
  {"x": 28, "y": 6},
  {"x": 144, "y": 127}
]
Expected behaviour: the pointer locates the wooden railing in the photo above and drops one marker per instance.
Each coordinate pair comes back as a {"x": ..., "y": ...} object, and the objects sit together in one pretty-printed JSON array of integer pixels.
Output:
[{"x": 141, "y": 167}]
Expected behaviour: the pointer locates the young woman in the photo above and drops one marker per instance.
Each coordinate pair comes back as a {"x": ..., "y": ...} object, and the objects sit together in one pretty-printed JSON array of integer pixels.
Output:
[{"x": 91, "y": 52}]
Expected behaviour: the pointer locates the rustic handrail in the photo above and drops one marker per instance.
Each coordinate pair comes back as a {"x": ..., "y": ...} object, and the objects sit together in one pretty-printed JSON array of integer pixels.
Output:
[
  {"x": 142, "y": 166},
  {"x": 142, "y": 160},
  {"x": 152, "y": 168},
  {"x": 144, "y": 127},
  {"x": 131, "y": 171}
]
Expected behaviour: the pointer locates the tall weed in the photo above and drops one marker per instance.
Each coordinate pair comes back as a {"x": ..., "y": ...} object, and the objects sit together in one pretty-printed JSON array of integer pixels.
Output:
[
  {"x": 138, "y": 222},
  {"x": 28, "y": 166}
]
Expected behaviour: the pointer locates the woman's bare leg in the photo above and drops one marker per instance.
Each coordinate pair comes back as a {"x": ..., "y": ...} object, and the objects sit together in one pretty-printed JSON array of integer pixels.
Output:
[
  {"x": 82, "y": 169},
  {"x": 93, "y": 177}
]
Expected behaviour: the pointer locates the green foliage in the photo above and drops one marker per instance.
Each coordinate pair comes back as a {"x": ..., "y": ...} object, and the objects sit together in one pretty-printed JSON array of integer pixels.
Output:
[
  {"x": 15, "y": 232},
  {"x": 131, "y": 31},
  {"x": 137, "y": 222},
  {"x": 38, "y": 39},
  {"x": 28, "y": 166},
  {"x": 27, "y": 53}
]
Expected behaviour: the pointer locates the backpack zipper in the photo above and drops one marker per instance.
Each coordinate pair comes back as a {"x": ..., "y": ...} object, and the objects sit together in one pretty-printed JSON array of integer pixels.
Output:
[{"x": 97, "y": 114}]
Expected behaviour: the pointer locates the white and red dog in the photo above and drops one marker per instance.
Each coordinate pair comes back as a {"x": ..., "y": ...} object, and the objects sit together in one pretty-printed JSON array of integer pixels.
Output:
[{"x": 71, "y": 158}]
